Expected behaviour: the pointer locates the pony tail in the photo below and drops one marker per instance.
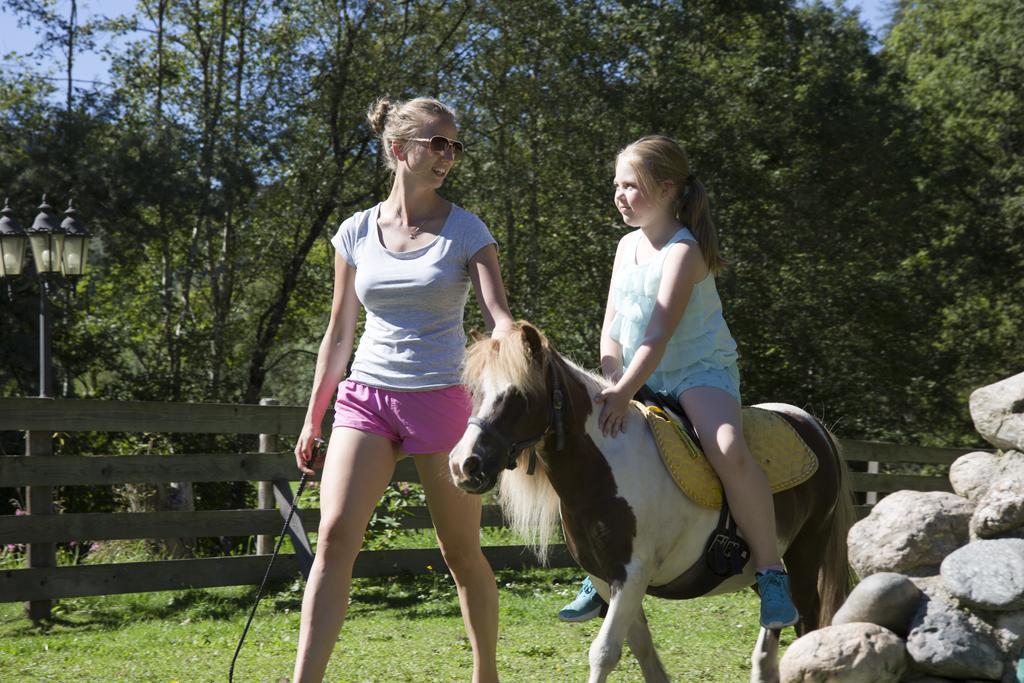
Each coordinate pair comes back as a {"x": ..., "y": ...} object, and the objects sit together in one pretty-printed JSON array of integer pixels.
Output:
[
  {"x": 695, "y": 213},
  {"x": 836, "y": 577}
]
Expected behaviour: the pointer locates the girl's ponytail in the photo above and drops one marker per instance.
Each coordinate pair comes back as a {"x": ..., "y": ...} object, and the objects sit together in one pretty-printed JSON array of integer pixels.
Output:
[{"x": 694, "y": 211}]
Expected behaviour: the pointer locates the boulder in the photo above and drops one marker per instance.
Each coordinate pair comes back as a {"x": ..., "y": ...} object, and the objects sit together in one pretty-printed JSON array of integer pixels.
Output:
[
  {"x": 987, "y": 575},
  {"x": 973, "y": 473},
  {"x": 998, "y": 412},
  {"x": 909, "y": 532},
  {"x": 887, "y": 599},
  {"x": 954, "y": 645},
  {"x": 1000, "y": 510},
  {"x": 847, "y": 653}
]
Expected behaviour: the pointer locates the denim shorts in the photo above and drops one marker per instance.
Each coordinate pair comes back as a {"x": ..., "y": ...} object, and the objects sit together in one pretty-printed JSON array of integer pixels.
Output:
[{"x": 726, "y": 379}]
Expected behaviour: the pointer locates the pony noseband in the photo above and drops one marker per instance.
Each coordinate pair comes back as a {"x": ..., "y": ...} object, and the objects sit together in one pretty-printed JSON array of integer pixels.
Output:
[{"x": 514, "y": 448}]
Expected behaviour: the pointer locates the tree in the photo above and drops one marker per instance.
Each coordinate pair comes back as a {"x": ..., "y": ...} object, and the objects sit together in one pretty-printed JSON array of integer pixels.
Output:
[{"x": 962, "y": 71}]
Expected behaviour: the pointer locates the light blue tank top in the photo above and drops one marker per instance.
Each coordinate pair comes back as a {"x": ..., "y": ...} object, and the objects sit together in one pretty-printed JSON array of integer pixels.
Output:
[{"x": 701, "y": 341}]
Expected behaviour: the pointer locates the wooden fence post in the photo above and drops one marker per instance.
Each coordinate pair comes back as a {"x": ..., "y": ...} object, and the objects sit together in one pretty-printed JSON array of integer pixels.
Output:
[
  {"x": 871, "y": 497},
  {"x": 265, "y": 499},
  {"x": 39, "y": 501}
]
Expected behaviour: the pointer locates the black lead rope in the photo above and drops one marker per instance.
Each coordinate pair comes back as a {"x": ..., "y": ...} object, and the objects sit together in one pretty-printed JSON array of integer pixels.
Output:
[
  {"x": 556, "y": 418},
  {"x": 556, "y": 403},
  {"x": 317, "y": 449}
]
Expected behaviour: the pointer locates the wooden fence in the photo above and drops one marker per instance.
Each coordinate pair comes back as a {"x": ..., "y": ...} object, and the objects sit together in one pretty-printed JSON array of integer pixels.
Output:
[{"x": 273, "y": 466}]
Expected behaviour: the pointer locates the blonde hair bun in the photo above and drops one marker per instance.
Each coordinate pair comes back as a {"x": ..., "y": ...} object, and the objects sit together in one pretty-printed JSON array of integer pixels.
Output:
[{"x": 377, "y": 115}]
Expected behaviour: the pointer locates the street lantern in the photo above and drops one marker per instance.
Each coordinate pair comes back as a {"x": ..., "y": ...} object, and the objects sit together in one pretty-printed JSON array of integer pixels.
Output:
[
  {"x": 12, "y": 243},
  {"x": 47, "y": 239},
  {"x": 59, "y": 251},
  {"x": 76, "y": 243}
]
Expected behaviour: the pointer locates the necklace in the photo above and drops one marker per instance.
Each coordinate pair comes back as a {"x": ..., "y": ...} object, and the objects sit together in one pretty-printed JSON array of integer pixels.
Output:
[{"x": 414, "y": 232}]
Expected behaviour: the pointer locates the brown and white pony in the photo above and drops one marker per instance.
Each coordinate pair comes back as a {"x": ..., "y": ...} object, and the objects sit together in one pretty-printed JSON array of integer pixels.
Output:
[{"x": 624, "y": 519}]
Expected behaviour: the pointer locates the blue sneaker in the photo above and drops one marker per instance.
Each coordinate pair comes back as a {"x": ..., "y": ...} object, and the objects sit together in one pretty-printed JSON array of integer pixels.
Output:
[
  {"x": 587, "y": 604},
  {"x": 777, "y": 608}
]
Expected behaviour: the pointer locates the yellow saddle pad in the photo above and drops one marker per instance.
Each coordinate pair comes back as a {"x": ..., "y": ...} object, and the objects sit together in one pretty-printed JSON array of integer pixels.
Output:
[{"x": 776, "y": 446}]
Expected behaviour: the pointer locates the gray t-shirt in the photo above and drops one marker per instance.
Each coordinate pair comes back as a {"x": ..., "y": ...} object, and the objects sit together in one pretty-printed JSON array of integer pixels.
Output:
[{"x": 414, "y": 301}]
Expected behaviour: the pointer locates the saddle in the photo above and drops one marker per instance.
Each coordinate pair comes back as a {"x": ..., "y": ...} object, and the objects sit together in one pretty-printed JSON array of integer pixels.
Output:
[{"x": 775, "y": 444}]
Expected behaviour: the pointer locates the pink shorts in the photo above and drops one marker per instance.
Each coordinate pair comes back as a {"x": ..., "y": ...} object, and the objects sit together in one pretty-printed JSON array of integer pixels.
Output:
[{"x": 429, "y": 421}]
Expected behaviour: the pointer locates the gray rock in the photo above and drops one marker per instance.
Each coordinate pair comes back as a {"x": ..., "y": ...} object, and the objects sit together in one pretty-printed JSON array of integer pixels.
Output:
[
  {"x": 932, "y": 585},
  {"x": 848, "y": 653},
  {"x": 1001, "y": 509},
  {"x": 887, "y": 599},
  {"x": 929, "y": 679},
  {"x": 1009, "y": 627},
  {"x": 973, "y": 473},
  {"x": 908, "y": 532},
  {"x": 998, "y": 412},
  {"x": 953, "y": 645},
  {"x": 987, "y": 574}
]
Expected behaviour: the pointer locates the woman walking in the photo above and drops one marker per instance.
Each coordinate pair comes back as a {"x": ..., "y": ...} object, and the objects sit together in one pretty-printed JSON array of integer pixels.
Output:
[{"x": 409, "y": 261}]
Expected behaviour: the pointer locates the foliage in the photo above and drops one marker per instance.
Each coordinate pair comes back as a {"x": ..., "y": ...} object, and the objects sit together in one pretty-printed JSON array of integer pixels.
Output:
[
  {"x": 386, "y": 522},
  {"x": 961, "y": 70},
  {"x": 867, "y": 196}
]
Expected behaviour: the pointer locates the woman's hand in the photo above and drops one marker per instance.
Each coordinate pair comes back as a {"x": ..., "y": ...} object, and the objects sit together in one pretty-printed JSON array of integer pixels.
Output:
[
  {"x": 307, "y": 450},
  {"x": 614, "y": 410}
]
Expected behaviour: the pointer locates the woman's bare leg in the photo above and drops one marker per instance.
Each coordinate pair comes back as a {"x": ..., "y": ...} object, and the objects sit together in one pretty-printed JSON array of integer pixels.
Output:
[
  {"x": 356, "y": 472},
  {"x": 456, "y": 516},
  {"x": 716, "y": 416}
]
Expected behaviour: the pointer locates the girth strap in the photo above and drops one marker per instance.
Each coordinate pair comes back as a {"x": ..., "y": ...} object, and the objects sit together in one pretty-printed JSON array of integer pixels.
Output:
[{"x": 726, "y": 554}]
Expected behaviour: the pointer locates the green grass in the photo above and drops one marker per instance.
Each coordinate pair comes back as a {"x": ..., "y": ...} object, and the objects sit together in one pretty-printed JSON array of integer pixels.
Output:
[{"x": 406, "y": 629}]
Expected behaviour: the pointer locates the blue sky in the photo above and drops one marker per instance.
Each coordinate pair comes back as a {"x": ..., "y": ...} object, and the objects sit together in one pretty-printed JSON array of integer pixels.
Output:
[
  {"x": 92, "y": 67},
  {"x": 88, "y": 66}
]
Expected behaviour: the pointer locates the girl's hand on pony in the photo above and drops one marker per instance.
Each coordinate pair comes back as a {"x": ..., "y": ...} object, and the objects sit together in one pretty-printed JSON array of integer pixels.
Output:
[{"x": 614, "y": 410}]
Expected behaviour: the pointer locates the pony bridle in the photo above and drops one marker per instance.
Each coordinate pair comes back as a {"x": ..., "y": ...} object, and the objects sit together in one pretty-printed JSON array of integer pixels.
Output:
[{"x": 514, "y": 448}]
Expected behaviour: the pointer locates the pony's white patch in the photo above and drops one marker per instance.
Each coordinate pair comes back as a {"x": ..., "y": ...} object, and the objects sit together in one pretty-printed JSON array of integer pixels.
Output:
[
  {"x": 486, "y": 391},
  {"x": 496, "y": 388}
]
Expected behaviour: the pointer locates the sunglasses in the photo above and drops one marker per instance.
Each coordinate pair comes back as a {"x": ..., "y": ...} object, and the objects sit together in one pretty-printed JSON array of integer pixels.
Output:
[{"x": 440, "y": 143}]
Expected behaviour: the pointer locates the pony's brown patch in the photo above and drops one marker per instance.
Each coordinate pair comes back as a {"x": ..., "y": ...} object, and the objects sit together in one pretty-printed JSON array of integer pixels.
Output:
[{"x": 599, "y": 525}]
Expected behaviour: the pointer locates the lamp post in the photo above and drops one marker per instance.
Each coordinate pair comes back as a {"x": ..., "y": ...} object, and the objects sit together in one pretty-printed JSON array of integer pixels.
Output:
[
  {"x": 47, "y": 240},
  {"x": 59, "y": 252}
]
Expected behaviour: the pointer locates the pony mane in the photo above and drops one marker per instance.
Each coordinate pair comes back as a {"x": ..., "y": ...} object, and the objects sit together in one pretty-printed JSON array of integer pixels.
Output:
[{"x": 502, "y": 362}]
